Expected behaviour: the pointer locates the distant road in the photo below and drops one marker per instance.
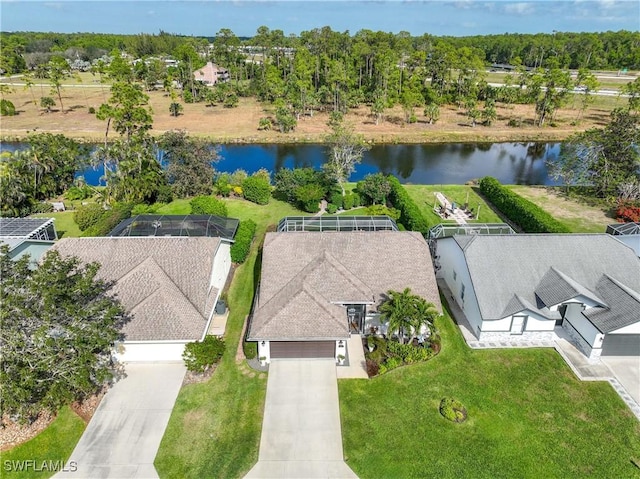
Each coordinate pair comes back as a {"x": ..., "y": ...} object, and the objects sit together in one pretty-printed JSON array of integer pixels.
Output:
[{"x": 575, "y": 90}]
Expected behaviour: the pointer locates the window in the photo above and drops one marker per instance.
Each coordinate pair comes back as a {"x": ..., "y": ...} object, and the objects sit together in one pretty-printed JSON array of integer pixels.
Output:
[
  {"x": 462, "y": 293},
  {"x": 455, "y": 275}
]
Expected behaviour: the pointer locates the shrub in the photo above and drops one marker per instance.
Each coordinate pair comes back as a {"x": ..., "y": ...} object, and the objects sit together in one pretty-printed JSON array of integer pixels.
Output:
[
  {"x": 628, "y": 213},
  {"x": 88, "y": 215},
  {"x": 109, "y": 220},
  {"x": 92, "y": 110},
  {"x": 208, "y": 205},
  {"x": 238, "y": 177},
  {"x": 265, "y": 123},
  {"x": 410, "y": 215},
  {"x": 7, "y": 108},
  {"x": 309, "y": 196},
  {"x": 144, "y": 209},
  {"x": 250, "y": 349},
  {"x": 79, "y": 193},
  {"x": 529, "y": 216},
  {"x": 379, "y": 210},
  {"x": 347, "y": 201},
  {"x": 199, "y": 355},
  {"x": 257, "y": 190},
  {"x": 357, "y": 201},
  {"x": 331, "y": 208},
  {"x": 244, "y": 236},
  {"x": 42, "y": 207},
  {"x": 453, "y": 410},
  {"x": 375, "y": 188},
  {"x": 222, "y": 185},
  {"x": 337, "y": 199},
  {"x": 373, "y": 368},
  {"x": 392, "y": 363}
]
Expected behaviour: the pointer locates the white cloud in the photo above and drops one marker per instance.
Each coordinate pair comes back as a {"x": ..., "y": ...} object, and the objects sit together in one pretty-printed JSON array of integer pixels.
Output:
[{"x": 520, "y": 8}]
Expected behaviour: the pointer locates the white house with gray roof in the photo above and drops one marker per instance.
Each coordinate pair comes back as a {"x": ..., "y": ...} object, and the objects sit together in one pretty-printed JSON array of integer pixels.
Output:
[
  {"x": 170, "y": 286},
  {"x": 319, "y": 287},
  {"x": 522, "y": 287}
]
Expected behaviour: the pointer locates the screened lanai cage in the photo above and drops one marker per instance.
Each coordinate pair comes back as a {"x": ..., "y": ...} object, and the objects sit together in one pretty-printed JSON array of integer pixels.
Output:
[
  {"x": 28, "y": 228},
  {"x": 624, "y": 229},
  {"x": 446, "y": 230},
  {"x": 177, "y": 225},
  {"x": 337, "y": 223}
]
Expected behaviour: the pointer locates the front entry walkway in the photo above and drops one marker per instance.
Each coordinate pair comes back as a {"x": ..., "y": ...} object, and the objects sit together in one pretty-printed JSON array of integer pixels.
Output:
[
  {"x": 123, "y": 436},
  {"x": 301, "y": 432}
]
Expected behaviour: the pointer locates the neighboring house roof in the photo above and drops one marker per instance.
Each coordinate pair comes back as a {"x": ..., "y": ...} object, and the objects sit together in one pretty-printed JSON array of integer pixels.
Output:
[
  {"x": 544, "y": 269},
  {"x": 163, "y": 282},
  {"x": 304, "y": 275}
]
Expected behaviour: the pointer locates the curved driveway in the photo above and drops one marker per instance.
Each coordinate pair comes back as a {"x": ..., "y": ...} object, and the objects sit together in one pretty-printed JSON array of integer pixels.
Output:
[{"x": 301, "y": 434}]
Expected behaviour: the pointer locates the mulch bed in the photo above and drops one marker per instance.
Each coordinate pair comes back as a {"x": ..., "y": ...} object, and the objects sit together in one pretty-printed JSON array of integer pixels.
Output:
[{"x": 192, "y": 377}]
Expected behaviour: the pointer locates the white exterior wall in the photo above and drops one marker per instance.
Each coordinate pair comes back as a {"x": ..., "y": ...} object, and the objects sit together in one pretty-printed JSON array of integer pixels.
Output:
[
  {"x": 631, "y": 329},
  {"x": 150, "y": 351},
  {"x": 587, "y": 330},
  {"x": 264, "y": 351},
  {"x": 588, "y": 303},
  {"x": 451, "y": 259},
  {"x": 535, "y": 322},
  {"x": 221, "y": 266}
]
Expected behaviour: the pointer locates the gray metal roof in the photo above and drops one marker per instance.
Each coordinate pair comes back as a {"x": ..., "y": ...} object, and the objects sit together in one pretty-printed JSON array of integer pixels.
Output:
[
  {"x": 502, "y": 266},
  {"x": 305, "y": 273},
  {"x": 163, "y": 282}
]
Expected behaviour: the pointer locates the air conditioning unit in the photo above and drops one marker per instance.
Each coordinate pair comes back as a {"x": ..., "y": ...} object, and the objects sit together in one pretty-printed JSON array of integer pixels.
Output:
[{"x": 221, "y": 307}]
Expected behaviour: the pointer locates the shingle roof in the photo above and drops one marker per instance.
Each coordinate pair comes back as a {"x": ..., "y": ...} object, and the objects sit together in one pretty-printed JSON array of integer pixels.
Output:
[
  {"x": 502, "y": 266},
  {"x": 625, "y": 312},
  {"x": 163, "y": 282},
  {"x": 555, "y": 287},
  {"x": 305, "y": 273}
]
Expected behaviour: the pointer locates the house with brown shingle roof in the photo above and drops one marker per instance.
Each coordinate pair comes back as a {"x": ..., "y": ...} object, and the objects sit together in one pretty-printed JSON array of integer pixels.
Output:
[
  {"x": 210, "y": 74},
  {"x": 319, "y": 287},
  {"x": 170, "y": 286}
]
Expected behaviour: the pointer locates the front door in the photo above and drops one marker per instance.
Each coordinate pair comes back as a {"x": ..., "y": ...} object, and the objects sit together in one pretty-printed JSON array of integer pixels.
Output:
[
  {"x": 517, "y": 324},
  {"x": 356, "y": 314}
]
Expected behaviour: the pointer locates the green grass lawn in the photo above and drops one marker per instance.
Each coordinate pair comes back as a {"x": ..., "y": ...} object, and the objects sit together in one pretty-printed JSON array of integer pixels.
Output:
[
  {"x": 55, "y": 443},
  {"x": 529, "y": 417},
  {"x": 65, "y": 225},
  {"x": 424, "y": 197}
]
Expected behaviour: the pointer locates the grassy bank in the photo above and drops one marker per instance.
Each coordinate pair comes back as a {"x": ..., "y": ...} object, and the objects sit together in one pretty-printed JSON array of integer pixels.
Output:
[{"x": 529, "y": 417}]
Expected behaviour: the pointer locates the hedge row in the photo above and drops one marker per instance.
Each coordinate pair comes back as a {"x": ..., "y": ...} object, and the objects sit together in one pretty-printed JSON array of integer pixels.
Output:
[
  {"x": 529, "y": 216},
  {"x": 243, "y": 239},
  {"x": 109, "y": 220},
  {"x": 410, "y": 215}
]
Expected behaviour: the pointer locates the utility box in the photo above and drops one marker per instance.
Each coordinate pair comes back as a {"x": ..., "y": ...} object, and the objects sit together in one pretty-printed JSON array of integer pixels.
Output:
[{"x": 221, "y": 307}]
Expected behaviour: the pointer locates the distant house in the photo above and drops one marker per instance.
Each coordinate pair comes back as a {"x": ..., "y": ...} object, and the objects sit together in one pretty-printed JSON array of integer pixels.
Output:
[
  {"x": 210, "y": 74},
  {"x": 522, "y": 287},
  {"x": 27, "y": 236},
  {"x": 321, "y": 283},
  {"x": 628, "y": 233}
]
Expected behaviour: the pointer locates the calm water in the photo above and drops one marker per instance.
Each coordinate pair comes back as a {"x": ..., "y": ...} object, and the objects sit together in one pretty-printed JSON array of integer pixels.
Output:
[{"x": 449, "y": 163}]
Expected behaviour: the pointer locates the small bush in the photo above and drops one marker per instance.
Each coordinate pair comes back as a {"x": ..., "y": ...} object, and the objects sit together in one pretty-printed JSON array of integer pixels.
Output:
[
  {"x": 208, "y": 205},
  {"x": 379, "y": 210},
  {"x": 257, "y": 190},
  {"x": 78, "y": 193},
  {"x": 347, "y": 201},
  {"x": 331, "y": 208},
  {"x": 244, "y": 236},
  {"x": 199, "y": 355},
  {"x": 337, "y": 199},
  {"x": 392, "y": 363},
  {"x": 453, "y": 410},
  {"x": 626, "y": 213},
  {"x": 88, "y": 215},
  {"x": 250, "y": 349},
  {"x": 357, "y": 201},
  {"x": 222, "y": 185},
  {"x": 7, "y": 108},
  {"x": 92, "y": 110}
]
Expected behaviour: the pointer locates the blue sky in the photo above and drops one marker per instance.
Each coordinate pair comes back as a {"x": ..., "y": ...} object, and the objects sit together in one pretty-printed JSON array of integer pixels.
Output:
[{"x": 206, "y": 17}]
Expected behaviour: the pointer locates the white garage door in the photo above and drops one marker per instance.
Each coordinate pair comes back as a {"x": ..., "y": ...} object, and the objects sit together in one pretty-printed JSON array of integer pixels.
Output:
[{"x": 159, "y": 352}]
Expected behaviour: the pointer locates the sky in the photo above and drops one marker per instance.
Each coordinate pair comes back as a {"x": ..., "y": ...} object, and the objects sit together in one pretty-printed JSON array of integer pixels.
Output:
[{"x": 207, "y": 17}]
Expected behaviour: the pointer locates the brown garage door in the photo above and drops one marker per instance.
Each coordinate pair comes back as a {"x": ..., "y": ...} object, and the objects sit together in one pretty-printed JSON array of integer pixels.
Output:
[
  {"x": 302, "y": 349},
  {"x": 621, "y": 345}
]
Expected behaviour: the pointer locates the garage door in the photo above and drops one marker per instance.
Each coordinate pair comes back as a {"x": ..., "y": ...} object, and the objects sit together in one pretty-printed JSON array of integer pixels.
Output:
[
  {"x": 621, "y": 345},
  {"x": 302, "y": 349}
]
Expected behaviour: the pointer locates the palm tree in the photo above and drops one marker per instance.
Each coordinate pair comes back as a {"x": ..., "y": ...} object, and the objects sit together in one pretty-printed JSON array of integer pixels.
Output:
[
  {"x": 397, "y": 310},
  {"x": 425, "y": 315}
]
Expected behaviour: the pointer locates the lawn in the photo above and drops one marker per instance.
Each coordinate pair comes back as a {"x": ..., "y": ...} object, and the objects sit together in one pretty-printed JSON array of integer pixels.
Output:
[
  {"x": 424, "y": 197},
  {"x": 55, "y": 443},
  {"x": 573, "y": 212},
  {"x": 65, "y": 225},
  {"x": 529, "y": 417},
  {"x": 214, "y": 430}
]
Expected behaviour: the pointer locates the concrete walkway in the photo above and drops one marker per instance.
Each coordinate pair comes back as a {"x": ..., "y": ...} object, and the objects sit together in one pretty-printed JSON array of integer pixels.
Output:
[
  {"x": 356, "y": 366},
  {"x": 122, "y": 438},
  {"x": 301, "y": 432}
]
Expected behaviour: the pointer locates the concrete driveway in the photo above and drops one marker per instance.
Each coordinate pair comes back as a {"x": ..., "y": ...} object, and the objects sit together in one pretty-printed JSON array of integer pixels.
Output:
[
  {"x": 626, "y": 370},
  {"x": 122, "y": 438},
  {"x": 301, "y": 433}
]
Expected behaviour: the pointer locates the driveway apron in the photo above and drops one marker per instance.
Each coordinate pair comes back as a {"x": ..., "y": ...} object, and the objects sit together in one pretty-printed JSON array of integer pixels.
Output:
[
  {"x": 301, "y": 433},
  {"x": 122, "y": 438}
]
